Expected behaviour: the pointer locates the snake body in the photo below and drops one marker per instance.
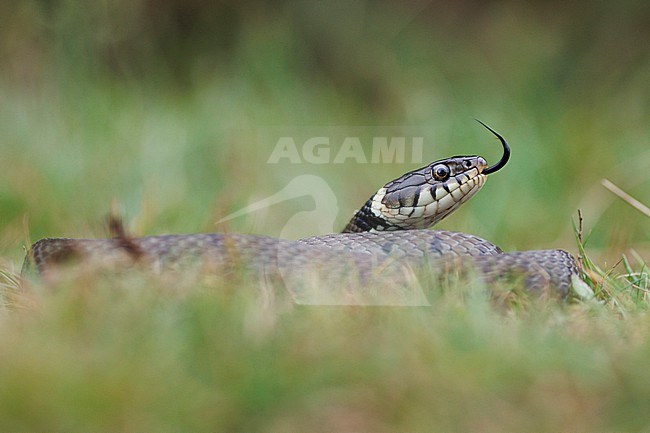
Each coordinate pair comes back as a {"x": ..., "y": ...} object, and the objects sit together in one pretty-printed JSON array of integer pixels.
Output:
[{"x": 383, "y": 242}]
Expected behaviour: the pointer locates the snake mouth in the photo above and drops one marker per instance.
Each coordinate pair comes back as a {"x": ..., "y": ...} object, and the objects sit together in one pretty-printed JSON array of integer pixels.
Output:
[
  {"x": 506, "y": 152},
  {"x": 481, "y": 165}
]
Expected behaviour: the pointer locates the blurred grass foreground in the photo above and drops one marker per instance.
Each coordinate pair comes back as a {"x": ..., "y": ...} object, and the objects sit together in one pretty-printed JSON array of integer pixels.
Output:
[{"x": 170, "y": 111}]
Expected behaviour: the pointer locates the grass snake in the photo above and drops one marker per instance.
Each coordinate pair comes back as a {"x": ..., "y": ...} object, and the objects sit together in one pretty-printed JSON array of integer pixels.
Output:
[{"x": 372, "y": 261}]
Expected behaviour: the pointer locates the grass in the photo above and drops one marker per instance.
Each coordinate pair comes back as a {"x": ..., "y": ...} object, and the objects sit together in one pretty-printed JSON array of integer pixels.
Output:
[
  {"x": 96, "y": 352},
  {"x": 173, "y": 125}
]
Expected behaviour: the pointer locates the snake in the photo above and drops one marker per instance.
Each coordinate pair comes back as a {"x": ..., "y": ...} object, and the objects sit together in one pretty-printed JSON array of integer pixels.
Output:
[{"x": 387, "y": 242}]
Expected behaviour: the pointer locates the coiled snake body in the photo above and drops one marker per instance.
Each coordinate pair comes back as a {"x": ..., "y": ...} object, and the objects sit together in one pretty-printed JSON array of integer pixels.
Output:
[{"x": 379, "y": 248}]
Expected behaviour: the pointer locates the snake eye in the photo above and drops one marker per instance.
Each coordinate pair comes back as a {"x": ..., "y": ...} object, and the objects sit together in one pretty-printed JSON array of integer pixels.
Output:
[
  {"x": 440, "y": 172},
  {"x": 467, "y": 164}
]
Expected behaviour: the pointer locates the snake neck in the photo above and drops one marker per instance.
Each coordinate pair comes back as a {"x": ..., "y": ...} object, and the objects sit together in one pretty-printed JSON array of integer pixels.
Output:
[{"x": 365, "y": 220}]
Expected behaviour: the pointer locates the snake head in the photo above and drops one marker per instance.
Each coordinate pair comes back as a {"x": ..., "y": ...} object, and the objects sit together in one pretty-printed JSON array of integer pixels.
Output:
[{"x": 424, "y": 196}]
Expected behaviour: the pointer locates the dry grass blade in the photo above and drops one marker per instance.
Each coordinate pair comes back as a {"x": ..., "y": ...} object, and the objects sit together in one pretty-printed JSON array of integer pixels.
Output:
[
  {"x": 9, "y": 285},
  {"x": 645, "y": 210}
]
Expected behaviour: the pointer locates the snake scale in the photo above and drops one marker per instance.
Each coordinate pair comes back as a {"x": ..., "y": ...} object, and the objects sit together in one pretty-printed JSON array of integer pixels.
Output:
[{"x": 378, "y": 252}]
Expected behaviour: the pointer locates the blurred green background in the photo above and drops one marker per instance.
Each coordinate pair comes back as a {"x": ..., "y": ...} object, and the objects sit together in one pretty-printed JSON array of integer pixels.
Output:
[
  {"x": 169, "y": 110},
  {"x": 172, "y": 108}
]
